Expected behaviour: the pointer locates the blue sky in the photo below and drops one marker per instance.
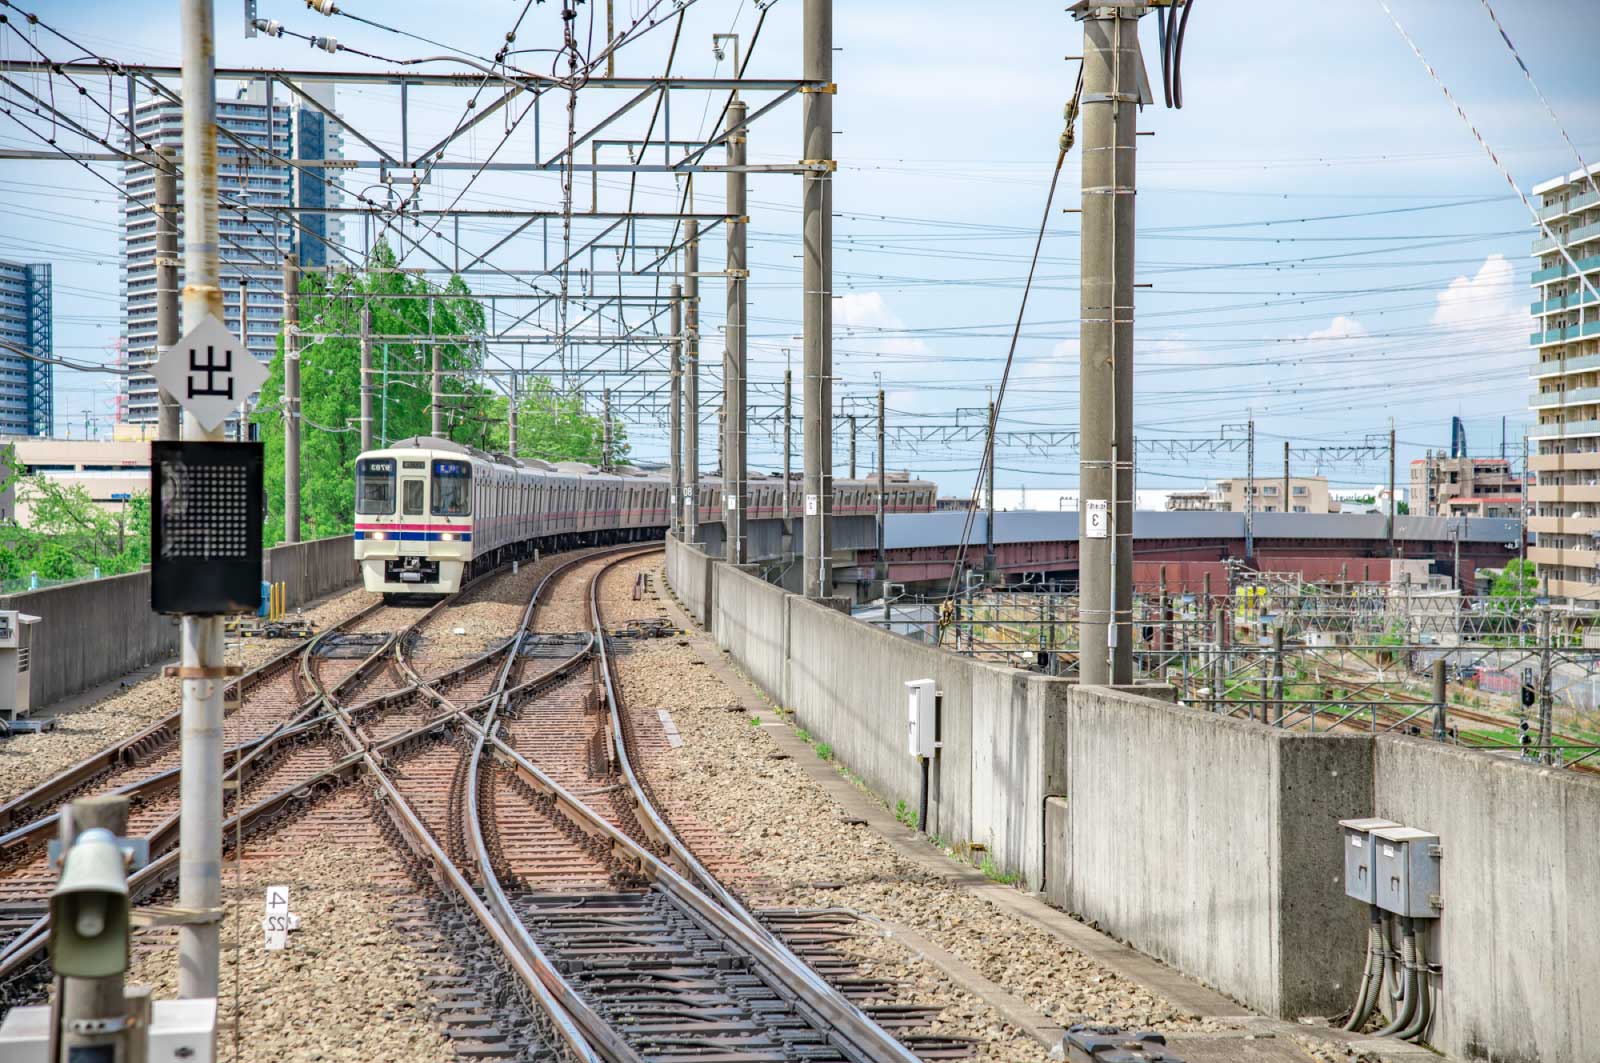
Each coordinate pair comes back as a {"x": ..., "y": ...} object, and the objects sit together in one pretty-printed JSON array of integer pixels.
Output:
[{"x": 1407, "y": 299}]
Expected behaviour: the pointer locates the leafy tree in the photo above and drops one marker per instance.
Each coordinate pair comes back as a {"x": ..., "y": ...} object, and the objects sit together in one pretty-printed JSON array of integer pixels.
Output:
[
  {"x": 1517, "y": 582},
  {"x": 553, "y": 425},
  {"x": 55, "y": 563},
  {"x": 10, "y": 566}
]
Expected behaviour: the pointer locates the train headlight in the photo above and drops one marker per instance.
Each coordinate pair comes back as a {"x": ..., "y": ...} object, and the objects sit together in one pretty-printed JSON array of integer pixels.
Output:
[
  {"x": 447, "y": 537},
  {"x": 376, "y": 535}
]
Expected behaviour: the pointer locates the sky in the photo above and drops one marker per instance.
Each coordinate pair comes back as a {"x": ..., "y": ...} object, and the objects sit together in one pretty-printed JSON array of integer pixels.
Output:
[{"x": 1326, "y": 245}]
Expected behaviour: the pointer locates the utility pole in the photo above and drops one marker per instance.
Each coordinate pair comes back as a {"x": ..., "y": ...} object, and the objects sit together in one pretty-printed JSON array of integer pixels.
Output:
[
  {"x": 244, "y": 339},
  {"x": 1288, "y": 507},
  {"x": 852, "y": 420},
  {"x": 1112, "y": 75},
  {"x": 1441, "y": 723},
  {"x": 675, "y": 413},
  {"x": 734, "y": 385},
  {"x": 605, "y": 430},
  {"x": 988, "y": 502},
  {"x": 366, "y": 382},
  {"x": 512, "y": 399},
  {"x": 1392, "y": 508},
  {"x": 883, "y": 484},
  {"x": 1250, "y": 488},
  {"x": 1522, "y": 523},
  {"x": 817, "y": 283},
  {"x": 436, "y": 394},
  {"x": 166, "y": 167},
  {"x": 1546, "y": 640},
  {"x": 291, "y": 395},
  {"x": 788, "y": 451},
  {"x": 201, "y": 653},
  {"x": 691, "y": 385}
]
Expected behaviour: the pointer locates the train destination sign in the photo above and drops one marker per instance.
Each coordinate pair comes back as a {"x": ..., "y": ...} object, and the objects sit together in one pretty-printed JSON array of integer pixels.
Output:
[{"x": 209, "y": 372}]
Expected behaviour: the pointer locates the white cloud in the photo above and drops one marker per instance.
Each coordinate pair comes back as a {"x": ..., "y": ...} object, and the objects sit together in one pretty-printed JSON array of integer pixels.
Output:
[
  {"x": 863, "y": 317},
  {"x": 1341, "y": 328},
  {"x": 1491, "y": 298}
]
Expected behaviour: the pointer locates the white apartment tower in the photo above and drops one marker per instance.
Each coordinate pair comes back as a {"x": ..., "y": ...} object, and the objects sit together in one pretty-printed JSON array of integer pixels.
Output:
[
  {"x": 1564, "y": 444},
  {"x": 252, "y": 242}
]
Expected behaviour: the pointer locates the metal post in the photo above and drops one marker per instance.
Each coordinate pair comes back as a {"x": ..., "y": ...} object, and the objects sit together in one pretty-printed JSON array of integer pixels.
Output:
[
  {"x": 436, "y": 393},
  {"x": 852, "y": 420},
  {"x": 1250, "y": 489},
  {"x": 291, "y": 397},
  {"x": 1392, "y": 509},
  {"x": 988, "y": 502},
  {"x": 1277, "y": 677},
  {"x": 691, "y": 384},
  {"x": 87, "y": 1003},
  {"x": 1111, "y": 94},
  {"x": 1546, "y": 699},
  {"x": 817, "y": 281},
  {"x": 675, "y": 413},
  {"x": 605, "y": 430},
  {"x": 513, "y": 399},
  {"x": 734, "y": 384},
  {"x": 883, "y": 490},
  {"x": 1441, "y": 722},
  {"x": 1288, "y": 494},
  {"x": 1522, "y": 526},
  {"x": 166, "y": 167},
  {"x": 788, "y": 452},
  {"x": 244, "y": 338},
  {"x": 366, "y": 379},
  {"x": 200, "y": 638}
]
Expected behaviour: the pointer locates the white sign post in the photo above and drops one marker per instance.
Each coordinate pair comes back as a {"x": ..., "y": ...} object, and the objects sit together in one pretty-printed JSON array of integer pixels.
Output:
[
  {"x": 209, "y": 372},
  {"x": 1096, "y": 519},
  {"x": 278, "y": 920}
]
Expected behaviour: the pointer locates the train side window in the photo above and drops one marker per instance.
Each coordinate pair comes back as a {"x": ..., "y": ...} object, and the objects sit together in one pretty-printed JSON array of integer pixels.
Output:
[{"x": 452, "y": 489}]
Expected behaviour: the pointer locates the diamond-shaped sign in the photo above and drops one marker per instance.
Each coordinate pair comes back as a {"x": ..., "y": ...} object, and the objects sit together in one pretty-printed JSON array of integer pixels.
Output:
[{"x": 209, "y": 372}]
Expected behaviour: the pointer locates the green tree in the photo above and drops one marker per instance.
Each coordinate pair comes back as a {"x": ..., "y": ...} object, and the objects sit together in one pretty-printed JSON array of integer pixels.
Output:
[
  {"x": 553, "y": 425},
  {"x": 55, "y": 563},
  {"x": 1517, "y": 582},
  {"x": 330, "y": 382}
]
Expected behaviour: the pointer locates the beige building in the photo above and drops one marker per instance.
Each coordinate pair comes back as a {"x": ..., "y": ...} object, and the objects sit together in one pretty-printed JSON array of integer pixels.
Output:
[
  {"x": 111, "y": 471},
  {"x": 1190, "y": 501},
  {"x": 1442, "y": 486},
  {"x": 1307, "y": 494},
  {"x": 1565, "y": 441}
]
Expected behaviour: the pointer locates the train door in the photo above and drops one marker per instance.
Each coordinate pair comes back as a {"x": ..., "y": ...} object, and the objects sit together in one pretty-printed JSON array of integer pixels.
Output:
[{"x": 413, "y": 504}]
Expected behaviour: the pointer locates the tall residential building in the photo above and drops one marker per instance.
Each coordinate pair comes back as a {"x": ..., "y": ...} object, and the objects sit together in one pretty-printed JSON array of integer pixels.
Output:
[
  {"x": 251, "y": 243},
  {"x": 26, "y": 384},
  {"x": 1565, "y": 442}
]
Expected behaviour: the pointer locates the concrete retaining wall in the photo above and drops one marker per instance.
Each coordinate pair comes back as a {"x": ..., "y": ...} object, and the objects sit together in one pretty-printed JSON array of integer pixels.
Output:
[
  {"x": 1208, "y": 842},
  {"x": 1212, "y": 844},
  {"x": 93, "y": 631},
  {"x": 1519, "y": 936}
]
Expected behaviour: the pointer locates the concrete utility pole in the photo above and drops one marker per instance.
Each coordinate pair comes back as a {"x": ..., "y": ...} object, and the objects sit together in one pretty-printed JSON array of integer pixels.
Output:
[
  {"x": 201, "y": 654},
  {"x": 734, "y": 383},
  {"x": 436, "y": 394},
  {"x": 817, "y": 281},
  {"x": 691, "y": 384},
  {"x": 1112, "y": 76},
  {"x": 166, "y": 167},
  {"x": 852, "y": 420},
  {"x": 366, "y": 380},
  {"x": 1250, "y": 489},
  {"x": 1288, "y": 495},
  {"x": 244, "y": 338},
  {"x": 788, "y": 451},
  {"x": 675, "y": 413},
  {"x": 291, "y": 394},
  {"x": 883, "y": 485},
  {"x": 605, "y": 430},
  {"x": 988, "y": 503},
  {"x": 1392, "y": 504}
]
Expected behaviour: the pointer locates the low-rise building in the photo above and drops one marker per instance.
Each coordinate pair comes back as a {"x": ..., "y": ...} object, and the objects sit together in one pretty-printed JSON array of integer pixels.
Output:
[
  {"x": 1443, "y": 486},
  {"x": 1307, "y": 494},
  {"x": 111, "y": 471}
]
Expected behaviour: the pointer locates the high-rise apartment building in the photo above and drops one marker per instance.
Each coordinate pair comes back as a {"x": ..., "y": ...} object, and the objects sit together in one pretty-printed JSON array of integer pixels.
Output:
[
  {"x": 27, "y": 400},
  {"x": 1565, "y": 441},
  {"x": 251, "y": 242}
]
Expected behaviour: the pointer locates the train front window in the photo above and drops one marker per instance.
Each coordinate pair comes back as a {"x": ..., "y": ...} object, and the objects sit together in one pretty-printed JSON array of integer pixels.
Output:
[
  {"x": 375, "y": 485},
  {"x": 452, "y": 488},
  {"x": 413, "y": 490}
]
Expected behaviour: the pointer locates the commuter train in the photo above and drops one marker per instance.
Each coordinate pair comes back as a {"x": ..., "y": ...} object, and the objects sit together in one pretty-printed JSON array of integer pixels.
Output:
[{"x": 430, "y": 513}]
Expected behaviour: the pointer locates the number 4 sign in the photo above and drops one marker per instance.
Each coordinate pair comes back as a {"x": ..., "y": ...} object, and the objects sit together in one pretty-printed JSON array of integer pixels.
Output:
[{"x": 278, "y": 922}]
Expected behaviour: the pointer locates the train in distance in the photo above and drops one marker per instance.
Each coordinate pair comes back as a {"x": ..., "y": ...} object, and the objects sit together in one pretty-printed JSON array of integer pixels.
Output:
[{"x": 431, "y": 514}]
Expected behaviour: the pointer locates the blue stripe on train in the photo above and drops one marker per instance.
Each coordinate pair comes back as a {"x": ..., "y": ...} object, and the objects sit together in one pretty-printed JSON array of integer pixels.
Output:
[{"x": 417, "y": 537}]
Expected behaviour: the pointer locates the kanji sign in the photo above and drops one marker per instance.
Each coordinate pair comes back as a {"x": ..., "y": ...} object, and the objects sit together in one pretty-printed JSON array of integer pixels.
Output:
[
  {"x": 1096, "y": 519},
  {"x": 209, "y": 372}
]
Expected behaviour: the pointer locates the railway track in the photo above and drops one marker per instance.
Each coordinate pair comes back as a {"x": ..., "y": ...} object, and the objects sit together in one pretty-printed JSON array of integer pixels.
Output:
[{"x": 507, "y": 782}]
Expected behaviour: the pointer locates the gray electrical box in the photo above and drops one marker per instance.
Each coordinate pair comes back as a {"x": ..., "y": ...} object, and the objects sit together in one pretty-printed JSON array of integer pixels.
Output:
[
  {"x": 1406, "y": 866},
  {"x": 16, "y": 663},
  {"x": 1360, "y": 881}
]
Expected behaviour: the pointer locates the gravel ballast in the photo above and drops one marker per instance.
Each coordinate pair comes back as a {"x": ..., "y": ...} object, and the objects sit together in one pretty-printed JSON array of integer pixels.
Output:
[{"x": 27, "y": 760}]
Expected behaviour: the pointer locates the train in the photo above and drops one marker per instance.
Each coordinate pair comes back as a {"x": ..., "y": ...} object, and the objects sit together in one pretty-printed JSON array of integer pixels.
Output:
[{"x": 431, "y": 514}]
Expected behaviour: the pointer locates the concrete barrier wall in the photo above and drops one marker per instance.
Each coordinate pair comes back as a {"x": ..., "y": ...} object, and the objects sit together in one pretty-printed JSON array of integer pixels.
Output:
[
  {"x": 93, "y": 631},
  {"x": 750, "y": 620},
  {"x": 1519, "y": 933},
  {"x": 689, "y": 573},
  {"x": 1212, "y": 844}
]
